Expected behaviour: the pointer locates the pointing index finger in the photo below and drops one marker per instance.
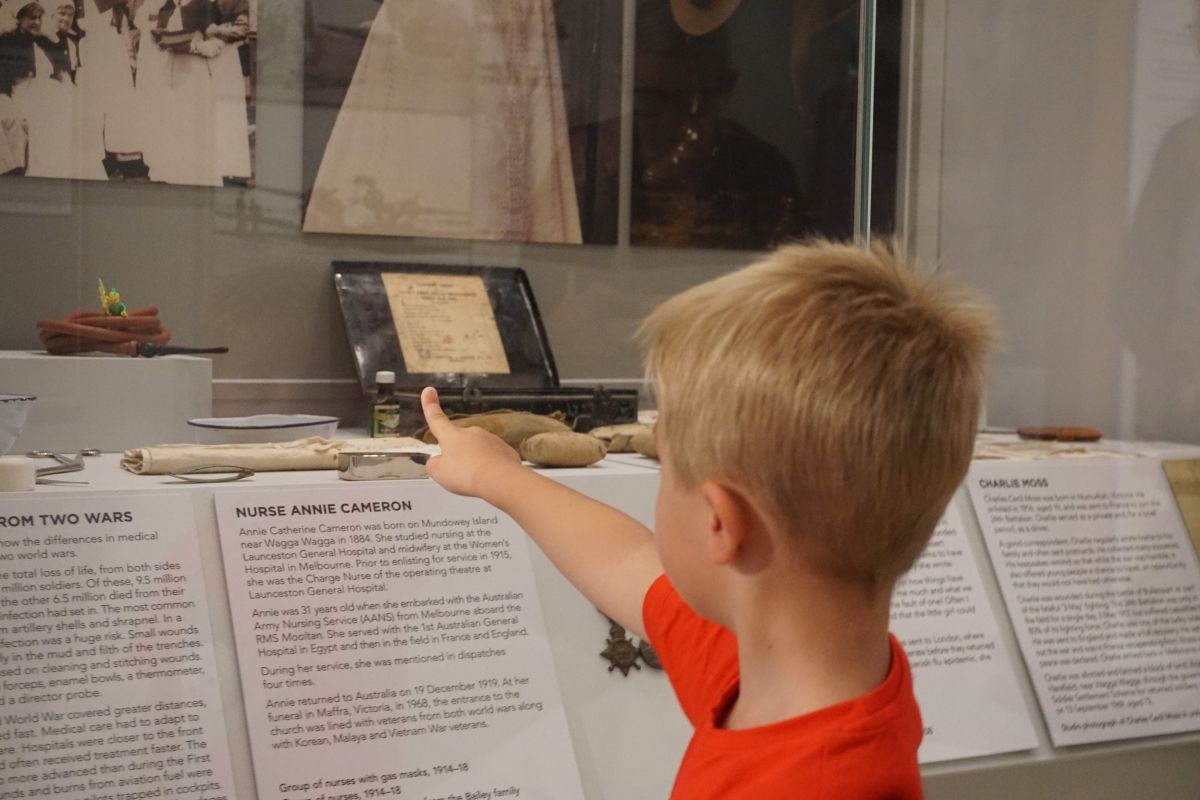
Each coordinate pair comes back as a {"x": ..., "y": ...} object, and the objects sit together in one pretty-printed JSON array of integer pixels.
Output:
[{"x": 435, "y": 418}]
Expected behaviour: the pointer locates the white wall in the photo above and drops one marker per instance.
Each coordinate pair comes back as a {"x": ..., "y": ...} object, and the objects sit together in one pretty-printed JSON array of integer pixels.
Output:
[{"x": 1036, "y": 116}]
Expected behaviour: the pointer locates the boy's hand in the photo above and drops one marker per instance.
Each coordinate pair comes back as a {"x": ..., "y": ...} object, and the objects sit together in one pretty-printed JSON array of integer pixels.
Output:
[
  {"x": 473, "y": 460},
  {"x": 609, "y": 556}
]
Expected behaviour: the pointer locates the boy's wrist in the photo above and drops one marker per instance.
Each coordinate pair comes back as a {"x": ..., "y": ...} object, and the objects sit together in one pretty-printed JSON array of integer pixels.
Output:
[{"x": 498, "y": 480}]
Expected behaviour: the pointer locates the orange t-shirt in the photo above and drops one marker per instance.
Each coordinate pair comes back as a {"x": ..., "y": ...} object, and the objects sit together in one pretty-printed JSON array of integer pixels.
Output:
[{"x": 865, "y": 748}]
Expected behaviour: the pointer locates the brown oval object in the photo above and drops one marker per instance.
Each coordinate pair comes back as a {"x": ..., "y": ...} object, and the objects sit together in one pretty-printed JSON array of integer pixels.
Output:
[
  {"x": 562, "y": 449},
  {"x": 617, "y": 437},
  {"x": 620, "y": 443},
  {"x": 513, "y": 427},
  {"x": 1058, "y": 433},
  {"x": 645, "y": 443}
]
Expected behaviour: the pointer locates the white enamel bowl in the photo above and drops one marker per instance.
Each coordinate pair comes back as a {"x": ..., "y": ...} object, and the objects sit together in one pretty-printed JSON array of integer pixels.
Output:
[
  {"x": 14, "y": 408},
  {"x": 261, "y": 428}
]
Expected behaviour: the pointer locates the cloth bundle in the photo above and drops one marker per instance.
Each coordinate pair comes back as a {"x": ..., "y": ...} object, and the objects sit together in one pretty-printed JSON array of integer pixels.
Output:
[{"x": 314, "y": 452}]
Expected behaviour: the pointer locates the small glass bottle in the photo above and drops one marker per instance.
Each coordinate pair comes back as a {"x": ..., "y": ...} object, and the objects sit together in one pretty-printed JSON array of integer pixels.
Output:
[{"x": 385, "y": 408}]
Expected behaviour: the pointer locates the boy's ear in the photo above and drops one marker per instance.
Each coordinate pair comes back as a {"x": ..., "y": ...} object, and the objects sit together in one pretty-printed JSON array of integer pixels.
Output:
[{"x": 731, "y": 519}]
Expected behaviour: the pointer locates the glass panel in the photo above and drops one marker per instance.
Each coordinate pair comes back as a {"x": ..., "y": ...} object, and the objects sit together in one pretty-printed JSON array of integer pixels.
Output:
[
  {"x": 465, "y": 120},
  {"x": 229, "y": 264},
  {"x": 745, "y": 119},
  {"x": 1066, "y": 188}
]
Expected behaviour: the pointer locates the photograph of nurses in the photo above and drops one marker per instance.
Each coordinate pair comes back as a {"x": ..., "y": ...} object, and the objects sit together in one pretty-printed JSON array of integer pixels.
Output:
[{"x": 141, "y": 90}]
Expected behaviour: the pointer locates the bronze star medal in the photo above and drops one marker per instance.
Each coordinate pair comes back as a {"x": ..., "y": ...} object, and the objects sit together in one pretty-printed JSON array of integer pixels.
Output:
[{"x": 621, "y": 652}]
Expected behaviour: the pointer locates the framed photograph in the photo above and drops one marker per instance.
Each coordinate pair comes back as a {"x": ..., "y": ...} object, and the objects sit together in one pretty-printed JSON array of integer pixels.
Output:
[
  {"x": 138, "y": 90},
  {"x": 745, "y": 121}
]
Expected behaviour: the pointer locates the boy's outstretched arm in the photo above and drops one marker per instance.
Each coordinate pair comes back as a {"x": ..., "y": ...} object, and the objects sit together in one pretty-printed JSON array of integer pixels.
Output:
[{"x": 609, "y": 556}]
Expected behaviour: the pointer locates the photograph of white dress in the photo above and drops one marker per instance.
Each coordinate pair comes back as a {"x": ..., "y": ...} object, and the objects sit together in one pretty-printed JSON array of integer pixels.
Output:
[
  {"x": 61, "y": 144},
  {"x": 454, "y": 125},
  {"x": 107, "y": 83}
]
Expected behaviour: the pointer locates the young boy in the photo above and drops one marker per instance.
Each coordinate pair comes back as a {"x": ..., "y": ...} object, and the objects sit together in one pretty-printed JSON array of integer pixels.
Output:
[{"x": 817, "y": 410}]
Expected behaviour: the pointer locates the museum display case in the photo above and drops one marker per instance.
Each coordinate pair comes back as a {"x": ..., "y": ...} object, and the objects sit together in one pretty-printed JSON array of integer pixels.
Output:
[{"x": 610, "y": 154}]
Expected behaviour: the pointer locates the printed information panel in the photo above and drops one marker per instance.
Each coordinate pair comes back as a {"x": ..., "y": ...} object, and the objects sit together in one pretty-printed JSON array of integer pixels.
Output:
[
  {"x": 947, "y": 624},
  {"x": 108, "y": 687},
  {"x": 391, "y": 644},
  {"x": 1103, "y": 589}
]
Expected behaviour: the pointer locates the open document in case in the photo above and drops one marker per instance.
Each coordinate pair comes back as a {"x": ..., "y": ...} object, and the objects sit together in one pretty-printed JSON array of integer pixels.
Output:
[{"x": 474, "y": 333}]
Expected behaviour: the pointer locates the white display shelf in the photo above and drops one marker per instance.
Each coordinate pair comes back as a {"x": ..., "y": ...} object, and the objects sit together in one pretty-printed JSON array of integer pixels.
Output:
[{"x": 627, "y": 732}]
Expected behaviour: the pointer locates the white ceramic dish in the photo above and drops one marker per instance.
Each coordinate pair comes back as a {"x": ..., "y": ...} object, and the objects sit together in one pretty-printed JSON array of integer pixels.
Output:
[
  {"x": 14, "y": 408},
  {"x": 261, "y": 428}
]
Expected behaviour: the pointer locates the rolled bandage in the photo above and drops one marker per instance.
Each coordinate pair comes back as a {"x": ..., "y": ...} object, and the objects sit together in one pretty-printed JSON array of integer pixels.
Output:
[{"x": 17, "y": 474}]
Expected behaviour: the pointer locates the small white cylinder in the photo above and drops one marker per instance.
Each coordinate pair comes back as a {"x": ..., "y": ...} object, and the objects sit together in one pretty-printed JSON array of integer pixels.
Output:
[{"x": 17, "y": 474}]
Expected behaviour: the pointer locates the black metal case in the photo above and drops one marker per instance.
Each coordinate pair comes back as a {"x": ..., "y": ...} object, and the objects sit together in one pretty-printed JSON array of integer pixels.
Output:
[{"x": 375, "y": 328}]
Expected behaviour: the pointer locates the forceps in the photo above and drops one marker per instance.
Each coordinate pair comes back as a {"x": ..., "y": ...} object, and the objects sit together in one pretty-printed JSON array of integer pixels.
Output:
[{"x": 65, "y": 463}]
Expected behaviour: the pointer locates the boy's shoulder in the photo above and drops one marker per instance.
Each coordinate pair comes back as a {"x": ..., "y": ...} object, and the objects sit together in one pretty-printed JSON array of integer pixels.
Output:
[
  {"x": 866, "y": 747},
  {"x": 698, "y": 656},
  {"x": 832, "y": 753}
]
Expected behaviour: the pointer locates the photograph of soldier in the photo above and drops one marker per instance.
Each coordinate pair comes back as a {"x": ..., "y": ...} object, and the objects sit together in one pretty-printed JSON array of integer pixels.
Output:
[{"x": 745, "y": 118}]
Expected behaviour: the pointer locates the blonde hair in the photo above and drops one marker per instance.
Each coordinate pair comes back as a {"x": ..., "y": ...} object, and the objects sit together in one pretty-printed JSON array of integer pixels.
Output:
[{"x": 837, "y": 385}]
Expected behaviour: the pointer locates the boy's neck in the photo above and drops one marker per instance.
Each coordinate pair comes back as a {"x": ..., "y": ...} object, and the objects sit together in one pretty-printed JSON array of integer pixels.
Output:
[{"x": 806, "y": 643}]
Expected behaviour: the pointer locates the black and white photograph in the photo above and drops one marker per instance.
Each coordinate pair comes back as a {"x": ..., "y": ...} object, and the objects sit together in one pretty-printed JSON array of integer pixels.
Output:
[
  {"x": 463, "y": 119},
  {"x": 128, "y": 90}
]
